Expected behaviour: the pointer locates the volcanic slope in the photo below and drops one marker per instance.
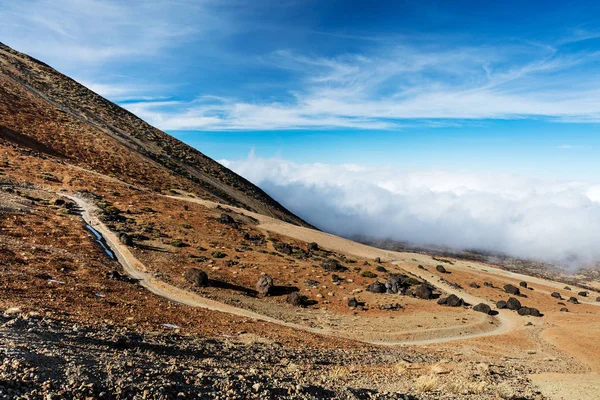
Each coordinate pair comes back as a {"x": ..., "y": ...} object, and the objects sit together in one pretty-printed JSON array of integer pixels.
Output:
[{"x": 48, "y": 112}]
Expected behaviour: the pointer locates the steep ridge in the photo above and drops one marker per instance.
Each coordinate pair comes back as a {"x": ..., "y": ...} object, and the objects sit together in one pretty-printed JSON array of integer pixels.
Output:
[{"x": 50, "y": 113}]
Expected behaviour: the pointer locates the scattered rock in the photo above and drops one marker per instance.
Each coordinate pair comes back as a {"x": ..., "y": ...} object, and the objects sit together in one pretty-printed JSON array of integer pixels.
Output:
[
  {"x": 336, "y": 278},
  {"x": 510, "y": 289},
  {"x": 423, "y": 291},
  {"x": 534, "y": 312},
  {"x": 482, "y": 307},
  {"x": 264, "y": 284},
  {"x": 451, "y": 301},
  {"x": 564, "y": 309},
  {"x": 227, "y": 220},
  {"x": 196, "y": 277},
  {"x": 440, "y": 269},
  {"x": 573, "y": 300},
  {"x": 583, "y": 294},
  {"x": 368, "y": 274},
  {"x": 501, "y": 304},
  {"x": 376, "y": 287},
  {"x": 380, "y": 268},
  {"x": 353, "y": 302},
  {"x": 523, "y": 284},
  {"x": 420, "y": 266},
  {"x": 474, "y": 285},
  {"x": 297, "y": 300},
  {"x": 524, "y": 311},
  {"x": 390, "y": 307},
  {"x": 378, "y": 260},
  {"x": 556, "y": 295},
  {"x": 312, "y": 246},
  {"x": 598, "y": 299},
  {"x": 488, "y": 284},
  {"x": 312, "y": 283},
  {"x": 567, "y": 288},
  {"x": 284, "y": 248},
  {"x": 513, "y": 304},
  {"x": 125, "y": 239},
  {"x": 333, "y": 265}
]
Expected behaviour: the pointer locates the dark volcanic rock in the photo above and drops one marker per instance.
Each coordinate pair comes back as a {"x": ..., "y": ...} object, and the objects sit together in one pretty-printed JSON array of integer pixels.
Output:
[
  {"x": 513, "y": 304},
  {"x": 333, "y": 265},
  {"x": 312, "y": 246},
  {"x": 523, "y": 284},
  {"x": 556, "y": 295},
  {"x": 454, "y": 301},
  {"x": 451, "y": 301},
  {"x": 380, "y": 268},
  {"x": 441, "y": 269},
  {"x": 484, "y": 308},
  {"x": 264, "y": 284},
  {"x": 474, "y": 285},
  {"x": 283, "y": 248},
  {"x": 567, "y": 288},
  {"x": 534, "y": 312},
  {"x": 297, "y": 300},
  {"x": 353, "y": 302},
  {"x": 564, "y": 309},
  {"x": 598, "y": 298},
  {"x": 524, "y": 311},
  {"x": 584, "y": 294},
  {"x": 196, "y": 277},
  {"x": 501, "y": 304},
  {"x": 510, "y": 289},
  {"x": 378, "y": 260},
  {"x": 423, "y": 291},
  {"x": 312, "y": 283},
  {"x": 573, "y": 300},
  {"x": 226, "y": 219},
  {"x": 125, "y": 239},
  {"x": 376, "y": 287}
]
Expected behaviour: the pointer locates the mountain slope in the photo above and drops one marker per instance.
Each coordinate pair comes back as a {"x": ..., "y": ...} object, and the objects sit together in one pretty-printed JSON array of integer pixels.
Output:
[{"x": 50, "y": 113}]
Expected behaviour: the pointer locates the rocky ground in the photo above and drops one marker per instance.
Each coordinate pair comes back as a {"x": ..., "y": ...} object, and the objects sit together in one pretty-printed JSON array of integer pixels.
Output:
[{"x": 52, "y": 359}]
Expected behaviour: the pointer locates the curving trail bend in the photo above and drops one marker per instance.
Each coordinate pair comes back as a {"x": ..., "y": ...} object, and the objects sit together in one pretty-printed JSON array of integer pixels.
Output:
[{"x": 504, "y": 322}]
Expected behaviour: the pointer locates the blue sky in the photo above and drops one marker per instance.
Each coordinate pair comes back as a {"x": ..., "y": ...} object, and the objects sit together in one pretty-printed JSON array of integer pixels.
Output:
[{"x": 504, "y": 87}]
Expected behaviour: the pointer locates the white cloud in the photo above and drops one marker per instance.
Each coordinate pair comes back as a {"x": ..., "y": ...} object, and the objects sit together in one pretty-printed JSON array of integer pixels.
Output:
[{"x": 519, "y": 216}]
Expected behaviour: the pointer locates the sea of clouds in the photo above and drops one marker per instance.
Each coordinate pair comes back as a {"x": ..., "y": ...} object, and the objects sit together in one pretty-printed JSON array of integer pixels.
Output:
[{"x": 554, "y": 221}]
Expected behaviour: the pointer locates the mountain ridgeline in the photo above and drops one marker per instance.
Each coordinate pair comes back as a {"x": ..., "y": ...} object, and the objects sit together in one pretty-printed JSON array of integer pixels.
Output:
[{"x": 47, "y": 112}]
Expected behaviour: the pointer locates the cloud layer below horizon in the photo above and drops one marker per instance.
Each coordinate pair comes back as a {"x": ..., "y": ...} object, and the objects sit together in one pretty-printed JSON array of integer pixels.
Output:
[{"x": 518, "y": 216}]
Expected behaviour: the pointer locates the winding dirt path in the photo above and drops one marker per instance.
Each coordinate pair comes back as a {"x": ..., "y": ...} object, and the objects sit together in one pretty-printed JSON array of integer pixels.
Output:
[{"x": 503, "y": 322}]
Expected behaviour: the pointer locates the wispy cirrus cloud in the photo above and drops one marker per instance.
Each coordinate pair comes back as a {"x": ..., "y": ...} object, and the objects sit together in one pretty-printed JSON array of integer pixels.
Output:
[{"x": 401, "y": 86}]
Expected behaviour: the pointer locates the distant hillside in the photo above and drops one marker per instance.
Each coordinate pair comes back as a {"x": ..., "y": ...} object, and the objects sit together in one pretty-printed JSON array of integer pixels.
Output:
[{"x": 50, "y": 113}]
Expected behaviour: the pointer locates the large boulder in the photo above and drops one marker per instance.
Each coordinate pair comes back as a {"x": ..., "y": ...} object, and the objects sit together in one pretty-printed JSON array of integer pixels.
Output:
[
  {"x": 451, "y": 301},
  {"x": 482, "y": 307},
  {"x": 510, "y": 289},
  {"x": 376, "y": 287},
  {"x": 196, "y": 277},
  {"x": 440, "y": 269},
  {"x": 297, "y": 300},
  {"x": 513, "y": 304},
  {"x": 501, "y": 304},
  {"x": 534, "y": 312},
  {"x": 394, "y": 285},
  {"x": 524, "y": 311},
  {"x": 264, "y": 284},
  {"x": 454, "y": 301},
  {"x": 423, "y": 291}
]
